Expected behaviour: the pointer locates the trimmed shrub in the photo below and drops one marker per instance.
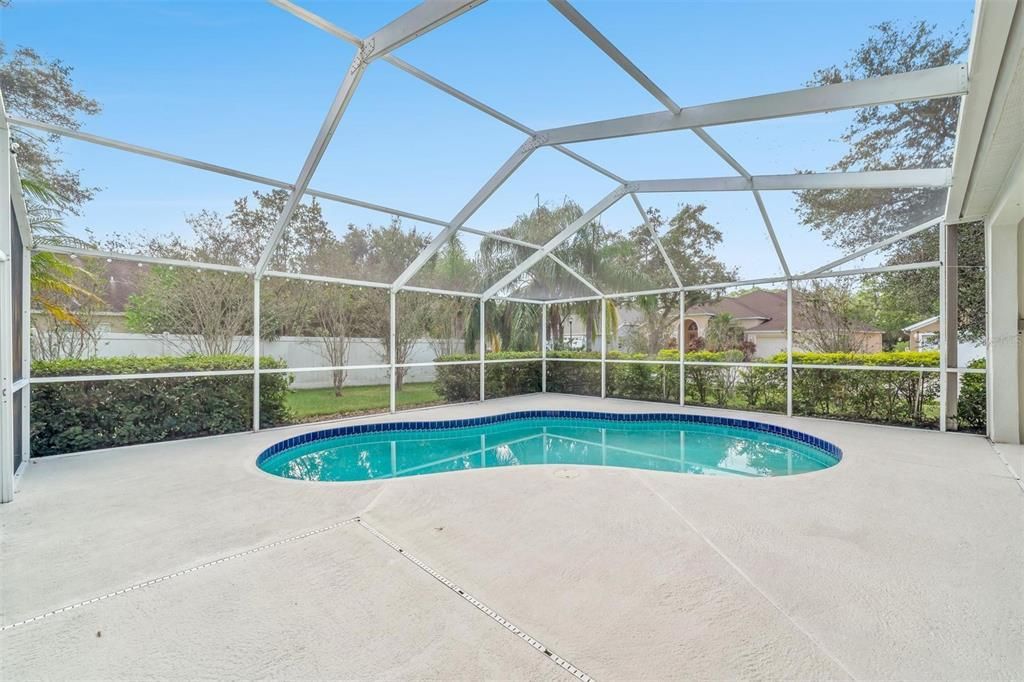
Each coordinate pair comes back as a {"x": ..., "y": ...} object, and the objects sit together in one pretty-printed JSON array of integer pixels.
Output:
[
  {"x": 761, "y": 389},
  {"x": 461, "y": 383},
  {"x": 928, "y": 358},
  {"x": 897, "y": 397},
  {"x": 512, "y": 378},
  {"x": 643, "y": 380},
  {"x": 88, "y": 415},
  {"x": 971, "y": 406},
  {"x": 577, "y": 378}
]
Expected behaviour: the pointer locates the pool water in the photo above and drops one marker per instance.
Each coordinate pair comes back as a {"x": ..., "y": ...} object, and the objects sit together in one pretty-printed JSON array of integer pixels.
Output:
[{"x": 710, "y": 449}]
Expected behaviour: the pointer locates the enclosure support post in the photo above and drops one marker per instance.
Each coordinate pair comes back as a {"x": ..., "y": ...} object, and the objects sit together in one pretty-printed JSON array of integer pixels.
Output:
[
  {"x": 26, "y": 351},
  {"x": 543, "y": 347},
  {"x": 6, "y": 375},
  {"x": 682, "y": 347},
  {"x": 392, "y": 354},
  {"x": 943, "y": 337},
  {"x": 255, "y": 353},
  {"x": 789, "y": 348},
  {"x": 604, "y": 347},
  {"x": 949, "y": 286},
  {"x": 6, "y": 320},
  {"x": 943, "y": 332},
  {"x": 483, "y": 348}
]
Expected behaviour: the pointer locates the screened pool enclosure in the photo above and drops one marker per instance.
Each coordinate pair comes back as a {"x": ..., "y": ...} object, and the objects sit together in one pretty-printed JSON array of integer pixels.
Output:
[{"x": 294, "y": 302}]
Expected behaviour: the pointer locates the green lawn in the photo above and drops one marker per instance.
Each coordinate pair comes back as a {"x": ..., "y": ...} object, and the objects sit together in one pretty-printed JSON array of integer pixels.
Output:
[{"x": 320, "y": 402}]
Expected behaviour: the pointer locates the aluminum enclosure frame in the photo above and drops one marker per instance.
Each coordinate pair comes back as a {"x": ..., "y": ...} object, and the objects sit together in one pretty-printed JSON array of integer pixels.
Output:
[{"x": 945, "y": 81}]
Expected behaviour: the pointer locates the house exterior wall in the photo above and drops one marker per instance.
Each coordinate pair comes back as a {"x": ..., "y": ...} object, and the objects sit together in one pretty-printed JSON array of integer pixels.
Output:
[
  {"x": 922, "y": 337},
  {"x": 768, "y": 343},
  {"x": 927, "y": 338},
  {"x": 869, "y": 342}
]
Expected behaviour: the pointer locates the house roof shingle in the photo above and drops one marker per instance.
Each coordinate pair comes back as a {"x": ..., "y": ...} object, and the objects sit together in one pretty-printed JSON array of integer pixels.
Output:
[{"x": 766, "y": 305}]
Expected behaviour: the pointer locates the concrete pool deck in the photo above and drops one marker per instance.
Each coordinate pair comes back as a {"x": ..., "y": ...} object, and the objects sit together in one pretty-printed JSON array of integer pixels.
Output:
[{"x": 904, "y": 561}]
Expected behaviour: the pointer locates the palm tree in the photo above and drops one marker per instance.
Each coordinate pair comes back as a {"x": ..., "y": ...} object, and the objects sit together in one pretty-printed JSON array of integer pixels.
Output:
[
  {"x": 611, "y": 261},
  {"x": 52, "y": 277},
  {"x": 511, "y": 326},
  {"x": 723, "y": 333}
]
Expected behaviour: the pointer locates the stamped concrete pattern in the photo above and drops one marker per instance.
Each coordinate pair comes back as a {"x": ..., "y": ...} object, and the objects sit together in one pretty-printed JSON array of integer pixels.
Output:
[{"x": 904, "y": 561}]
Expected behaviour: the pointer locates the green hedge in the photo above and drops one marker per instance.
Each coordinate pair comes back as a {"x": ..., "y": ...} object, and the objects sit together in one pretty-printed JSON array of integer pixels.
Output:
[
  {"x": 892, "y": 397},
  {"x": 971, "y": 401},
  {"x": 461, "y": 383},
  {"x": 511, "y": 378},
  {"x": 928, "y": 358},
  {"x": 87, "y": 415},
  {"x": 576, "y": 378},
  {"x": 642, "y": 380},
  {"x": 897, "y": 397}
]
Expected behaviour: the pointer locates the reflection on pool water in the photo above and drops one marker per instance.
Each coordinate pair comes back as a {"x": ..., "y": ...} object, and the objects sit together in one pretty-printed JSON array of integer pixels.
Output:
[{"x": 658, "y": 442}]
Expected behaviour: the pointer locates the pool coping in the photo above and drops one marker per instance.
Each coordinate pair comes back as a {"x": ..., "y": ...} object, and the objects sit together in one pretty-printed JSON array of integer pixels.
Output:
[{"x": 826, "y": 447}]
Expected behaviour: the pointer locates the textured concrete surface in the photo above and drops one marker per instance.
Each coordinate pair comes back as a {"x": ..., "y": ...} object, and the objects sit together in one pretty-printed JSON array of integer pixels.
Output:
[
  {"x": 336, "y": 605},
  {"x": 904, "y": 561},
  {"x": 1014, "y": 456}
]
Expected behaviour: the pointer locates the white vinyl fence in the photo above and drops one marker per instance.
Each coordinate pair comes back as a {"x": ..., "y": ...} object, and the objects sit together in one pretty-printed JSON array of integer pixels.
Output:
[{"x": 294, "y": 351}]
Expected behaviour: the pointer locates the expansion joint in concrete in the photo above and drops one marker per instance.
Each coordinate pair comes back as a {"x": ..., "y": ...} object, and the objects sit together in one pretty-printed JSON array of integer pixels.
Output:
[
  {"x": 480, "y": 606},
  {"x": 177, "y": 574},
  {"x": 746, "y": 578}
]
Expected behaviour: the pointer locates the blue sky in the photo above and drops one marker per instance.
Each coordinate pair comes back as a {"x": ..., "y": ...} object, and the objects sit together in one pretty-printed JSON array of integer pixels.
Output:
[{"x": 244, "y": 84}]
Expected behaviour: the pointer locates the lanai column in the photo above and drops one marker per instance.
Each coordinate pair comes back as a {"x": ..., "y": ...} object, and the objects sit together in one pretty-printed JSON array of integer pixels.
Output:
[{"x": 1004, "y": 292}]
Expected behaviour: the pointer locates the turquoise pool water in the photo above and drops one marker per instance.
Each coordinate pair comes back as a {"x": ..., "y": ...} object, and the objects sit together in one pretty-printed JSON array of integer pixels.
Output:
[{"x": 691, "y": 447}]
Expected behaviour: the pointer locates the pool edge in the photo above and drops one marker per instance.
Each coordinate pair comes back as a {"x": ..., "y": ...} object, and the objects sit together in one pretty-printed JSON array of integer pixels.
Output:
[{"x": 828, "y": 448}]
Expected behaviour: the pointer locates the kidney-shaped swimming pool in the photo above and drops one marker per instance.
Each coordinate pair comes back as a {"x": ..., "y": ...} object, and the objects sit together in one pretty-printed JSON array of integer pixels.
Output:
[{"x": 682, "y": 443}]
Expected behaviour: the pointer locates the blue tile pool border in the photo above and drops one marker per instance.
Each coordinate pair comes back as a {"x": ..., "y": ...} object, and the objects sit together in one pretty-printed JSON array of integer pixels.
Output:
[{"x": 829, "y": 449}]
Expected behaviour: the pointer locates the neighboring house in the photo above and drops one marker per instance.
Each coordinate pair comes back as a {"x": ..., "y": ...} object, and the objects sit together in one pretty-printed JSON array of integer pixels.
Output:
[
  {"x": 762, "y": 314},
  {"x": 924, "y": 335},
  {"x": 120, "y": 281}
]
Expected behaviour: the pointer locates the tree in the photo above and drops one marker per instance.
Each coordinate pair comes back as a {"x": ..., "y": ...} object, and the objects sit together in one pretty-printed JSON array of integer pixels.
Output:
[
  {"x": 829, "y": 317},
  {"x": 585, "y": 252},
  {"x": 374, "y": 253},
  {"x": 690, "y": 243},
  {"x": 450, "y": 327},
  {"x": 416, "y": 312},
  {"x": 206, "y": 312},
  {"x": 885, "y": 304},
  {"x": 59, "y": 288},
  {"x": 382, "y": 254},
  {"x": 450, "y": 268},
  {"x": 917, "y": 134},
  {"x": 41, "y": 89},
  {"x": 512, "y": 326},
  {"x": 196, "y": 311},
  {"x": 723, "y": 333},
  {"x": 334, "y": 313},
  {"x": 70, "y": 296},
  {"x": 905, "y": 135},
  {"x": 659, "y": 323},
  {"x": 240, "y": 237}
]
